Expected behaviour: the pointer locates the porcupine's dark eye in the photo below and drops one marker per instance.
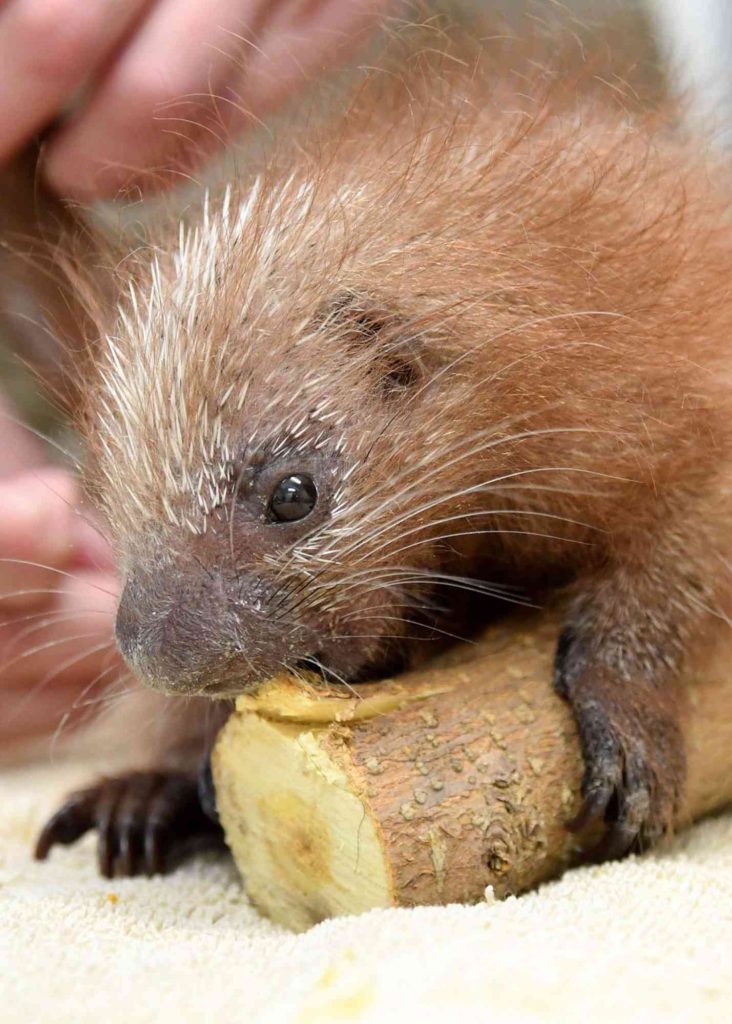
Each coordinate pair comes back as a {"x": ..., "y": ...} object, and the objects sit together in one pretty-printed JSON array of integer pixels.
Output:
[{"x": 293, "y": 498}]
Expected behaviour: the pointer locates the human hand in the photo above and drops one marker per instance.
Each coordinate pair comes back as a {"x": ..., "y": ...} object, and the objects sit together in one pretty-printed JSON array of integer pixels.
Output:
[
  {"x": 57, "y": 597},
  {"x": 156, "y": 84}
]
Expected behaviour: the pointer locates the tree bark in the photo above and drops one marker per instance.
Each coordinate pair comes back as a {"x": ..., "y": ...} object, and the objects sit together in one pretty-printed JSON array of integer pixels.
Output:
[{"x": 432, "y": 787}]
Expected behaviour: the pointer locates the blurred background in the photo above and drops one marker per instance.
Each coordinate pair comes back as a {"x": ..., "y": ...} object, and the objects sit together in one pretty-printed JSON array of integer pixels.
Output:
[
  {"x": 689, "y": 41},
  {"x": 686, "y": 43}
]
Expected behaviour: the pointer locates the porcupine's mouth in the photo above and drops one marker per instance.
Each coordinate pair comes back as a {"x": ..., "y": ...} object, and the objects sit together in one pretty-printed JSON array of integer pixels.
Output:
[{"x": 318, "y": 664}]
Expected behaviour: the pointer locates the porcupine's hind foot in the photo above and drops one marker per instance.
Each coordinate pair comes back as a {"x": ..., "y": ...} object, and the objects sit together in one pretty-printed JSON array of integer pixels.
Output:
[{"x": 147, "y": 823}]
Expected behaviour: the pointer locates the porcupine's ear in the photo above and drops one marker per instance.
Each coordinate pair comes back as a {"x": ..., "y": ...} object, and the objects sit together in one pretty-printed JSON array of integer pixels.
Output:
[{"x": 368, "y": 325}]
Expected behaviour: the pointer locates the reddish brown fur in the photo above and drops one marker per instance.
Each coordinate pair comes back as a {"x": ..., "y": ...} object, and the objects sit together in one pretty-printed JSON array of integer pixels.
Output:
[{"x": 520, "y": 310}]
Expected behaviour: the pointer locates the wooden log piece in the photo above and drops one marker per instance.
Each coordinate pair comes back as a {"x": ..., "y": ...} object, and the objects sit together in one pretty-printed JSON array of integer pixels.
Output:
[{"x": 429, "y": 788}]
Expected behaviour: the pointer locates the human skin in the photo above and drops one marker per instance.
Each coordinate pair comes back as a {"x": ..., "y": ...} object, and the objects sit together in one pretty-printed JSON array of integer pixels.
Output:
[
  {"x": 156, "y": 84},
  {"x": 57, "y": 592}
]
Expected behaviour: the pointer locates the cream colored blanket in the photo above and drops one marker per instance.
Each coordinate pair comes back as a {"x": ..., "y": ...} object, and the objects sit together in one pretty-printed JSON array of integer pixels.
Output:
[{"x": 649, "y": 939}]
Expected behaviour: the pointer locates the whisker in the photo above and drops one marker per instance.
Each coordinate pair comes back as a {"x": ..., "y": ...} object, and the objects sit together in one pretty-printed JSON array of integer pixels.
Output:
[
  {"x": 326, "y": 671},
  {"x": 46, "y": 620},
  {"x": 80, "y": 702},
  {"x": 477, "y": 488},
  {"x": 500, "y": 530},
  {"x": 413, "y": 622},
  {"x": 59, "y": 572},
  {"x": 39, "y": 686},
  {"x": 44, "y": 647},
  {"x": 108, "y": 698},
  {"x": 387, "y": 569},
  {"x": 435, "y": 459},
  {"x": 76, "y": 511},
  {"x": 9, "y": 595},
  {"x": 455, "y": 584},
  {"x": 484, "y": 486},
  {"x": 75, "y": 659},
  {"x": 50, "y": 617},
  {"x": 380, "y": 636},
  {"x": 74, "y": 459},
  {"x": 467, "y": 587},
  {"x": 474, "y": 533},
  {"x": 414, "y": 469}
]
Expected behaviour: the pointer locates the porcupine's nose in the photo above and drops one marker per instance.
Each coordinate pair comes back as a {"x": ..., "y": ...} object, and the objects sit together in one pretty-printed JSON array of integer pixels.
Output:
[{"x": 194, "y": 634}]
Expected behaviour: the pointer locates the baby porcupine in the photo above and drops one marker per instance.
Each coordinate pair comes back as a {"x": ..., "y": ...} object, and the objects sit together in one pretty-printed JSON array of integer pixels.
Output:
[{"x": 459, "y": 347}]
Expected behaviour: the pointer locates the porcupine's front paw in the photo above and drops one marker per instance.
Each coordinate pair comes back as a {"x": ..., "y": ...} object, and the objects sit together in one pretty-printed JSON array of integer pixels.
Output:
[
  {"x": 147, "y": 822},
  {"x": 633, "y": 752}
]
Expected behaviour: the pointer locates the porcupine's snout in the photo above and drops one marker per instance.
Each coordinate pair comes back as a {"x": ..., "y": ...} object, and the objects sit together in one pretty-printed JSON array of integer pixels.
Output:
[{"x": 202, "y": 633}]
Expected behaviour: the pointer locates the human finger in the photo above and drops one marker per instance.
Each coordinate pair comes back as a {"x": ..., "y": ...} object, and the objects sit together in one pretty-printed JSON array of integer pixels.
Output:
[
  {"x": 51, "y": 662},
  {"x": 37, "y": 510},
  {"x": 48, "y": 49},
  {"x": 301, "y": 41},
  {"x": 151, "y": 108}
]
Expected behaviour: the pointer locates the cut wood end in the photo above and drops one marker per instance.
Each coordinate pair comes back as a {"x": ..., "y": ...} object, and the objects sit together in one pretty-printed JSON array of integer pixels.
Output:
[{"x": 297, "y": 827}]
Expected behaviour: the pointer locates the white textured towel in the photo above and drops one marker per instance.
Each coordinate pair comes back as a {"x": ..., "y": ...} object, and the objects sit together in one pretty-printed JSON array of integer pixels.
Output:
[{"x": 649, "y": 939}]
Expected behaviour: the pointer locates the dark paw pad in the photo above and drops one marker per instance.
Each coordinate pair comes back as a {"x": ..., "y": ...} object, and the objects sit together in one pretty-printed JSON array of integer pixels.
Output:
[{"x": 147, "y": 822}]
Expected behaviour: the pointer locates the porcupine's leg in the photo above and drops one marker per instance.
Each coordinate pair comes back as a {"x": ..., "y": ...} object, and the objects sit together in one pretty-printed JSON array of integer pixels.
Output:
[
  {"x": 147, "y": 822},
  {"x": 616, "y": 664}
]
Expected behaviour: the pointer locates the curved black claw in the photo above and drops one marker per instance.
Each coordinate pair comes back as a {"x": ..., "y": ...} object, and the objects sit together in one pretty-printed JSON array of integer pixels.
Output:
[
  {"x": 620, "y": 787},
  {"x": 633, "y": 753},
  {"x": 631, "y": 783},
  {"x": 147, "y": 823}
]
